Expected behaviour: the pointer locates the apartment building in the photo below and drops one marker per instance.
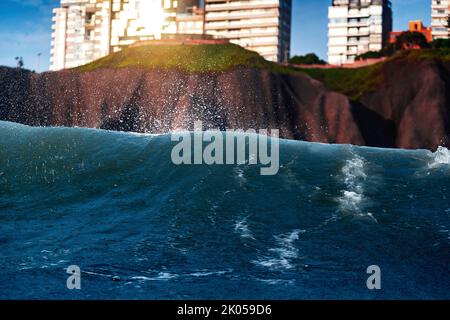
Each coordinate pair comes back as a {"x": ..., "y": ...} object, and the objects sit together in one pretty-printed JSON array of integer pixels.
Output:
[
  {"x": 190, "y": 21},
  {"x": 263, "y": 26},
  {"x": 71, "y": 44},
  {"x": 356, "y": 27},
  {"x": 86, "y": 30},
  {"x": 440, "y": 11}
]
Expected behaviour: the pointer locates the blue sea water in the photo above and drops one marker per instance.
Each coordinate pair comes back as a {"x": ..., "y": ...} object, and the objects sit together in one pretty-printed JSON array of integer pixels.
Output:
[{"x": 140, "y": 227}]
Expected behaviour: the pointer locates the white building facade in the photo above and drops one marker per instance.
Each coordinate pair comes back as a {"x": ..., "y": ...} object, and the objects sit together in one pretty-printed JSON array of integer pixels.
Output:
[
  {"x": 263, "y": 26},
  {"x": 440, "y": 11},
  {"x": 356, "y": 27},
  {"x": 77, "y": 33}
]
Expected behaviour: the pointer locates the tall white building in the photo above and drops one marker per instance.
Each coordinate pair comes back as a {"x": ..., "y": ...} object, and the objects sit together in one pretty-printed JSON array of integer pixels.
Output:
[
  {"x": 356, "y": 27},
  {"x": 263, "y": 26},
  {"x": 440, "y": 11},
  {"x": 86, "y": 30},
  {"x": 78, "y": 36}
]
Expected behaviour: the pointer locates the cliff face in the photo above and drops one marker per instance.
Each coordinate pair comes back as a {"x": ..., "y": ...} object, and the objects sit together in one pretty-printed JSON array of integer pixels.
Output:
[
  {"x": 408, "y": 109},
  {"x": 415, "y": 97},
  {"x": 156, "y": 101}
]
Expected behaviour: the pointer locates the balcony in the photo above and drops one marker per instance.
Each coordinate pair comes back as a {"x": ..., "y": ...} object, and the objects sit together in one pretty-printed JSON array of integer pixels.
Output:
[
  {"x": 242, "y": 24},
  {"x": 241, "y": 16},
  {"x": 237, "y": 5},
  {"x": 359, "y": 34},
  {"x": 228, "y": 26},
  {"x": 442, "y": 5},
  {"x": 359, "y": 15},
  {"x": 439, "y": 14},
  {"x": 90, "y": 24},
  {"x": 358, "y": 24},
  {"x": 241, "y": 35}
]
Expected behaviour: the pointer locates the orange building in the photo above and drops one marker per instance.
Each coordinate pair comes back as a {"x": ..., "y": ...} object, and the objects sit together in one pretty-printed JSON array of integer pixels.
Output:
[{"x": 414, "y": 26}]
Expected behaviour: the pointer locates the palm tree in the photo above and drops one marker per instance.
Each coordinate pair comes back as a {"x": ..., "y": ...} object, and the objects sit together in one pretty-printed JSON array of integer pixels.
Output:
[{"x": 19, "y": 62}]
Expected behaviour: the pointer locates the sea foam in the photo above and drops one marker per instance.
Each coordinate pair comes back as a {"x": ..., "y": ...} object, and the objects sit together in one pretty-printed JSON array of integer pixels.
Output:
[{"x": 440, "y": 157}]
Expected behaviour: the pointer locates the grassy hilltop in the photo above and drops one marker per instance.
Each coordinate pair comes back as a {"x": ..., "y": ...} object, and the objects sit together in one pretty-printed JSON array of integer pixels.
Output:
[{"x": 189, "y": 58}]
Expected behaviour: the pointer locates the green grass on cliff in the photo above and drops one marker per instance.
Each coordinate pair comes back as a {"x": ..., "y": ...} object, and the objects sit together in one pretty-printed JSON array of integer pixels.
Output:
[
  {"x": 442, "y": 54},
  {"x": 351, "y": 82},
  {"x": 354, "y": 83},
  {"x": 190, "y": 58}
]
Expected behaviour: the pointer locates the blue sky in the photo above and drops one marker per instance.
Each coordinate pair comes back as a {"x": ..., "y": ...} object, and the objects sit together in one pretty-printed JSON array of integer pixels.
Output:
[{"x": 25, "y": 27}]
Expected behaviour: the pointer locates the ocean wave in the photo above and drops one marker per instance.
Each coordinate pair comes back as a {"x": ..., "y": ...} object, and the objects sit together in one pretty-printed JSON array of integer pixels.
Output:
[
  {"x": 281, "y": 257},
  {"x": 241, "y": 227},
  {"x": 277, "y": 282},
  {"x": 114, "y": 204},
  {"x": 167, "y": 276},
  {"x": 162, "y": 276},
  {"x": 440, "y": 157},
  {"x": 354, "y": 177},
  {"x": 239, "y": 174}
]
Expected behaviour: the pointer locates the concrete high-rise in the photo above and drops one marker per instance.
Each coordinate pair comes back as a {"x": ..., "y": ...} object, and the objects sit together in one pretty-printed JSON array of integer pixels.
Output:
[
  {"x": 440, "y": 11},
  {"x": 356, "y": 27},
  {"x": 263, "y": 26},
  {"x": 73, "y": 37}
]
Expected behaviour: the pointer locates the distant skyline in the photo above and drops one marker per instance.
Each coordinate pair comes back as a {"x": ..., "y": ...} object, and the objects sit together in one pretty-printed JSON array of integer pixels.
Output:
[
  {"x": 310, "y": 22},
  {"x": 25, "y": 27}
]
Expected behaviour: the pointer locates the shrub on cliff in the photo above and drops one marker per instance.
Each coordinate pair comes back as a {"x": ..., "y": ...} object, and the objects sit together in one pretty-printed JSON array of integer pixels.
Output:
[
  {"x": 369, "y": 55},
  {"x": 411, "y": 40},
  {"x": 440, "y": 43},
  {"x": 308, "y": 59},
  {"x": 388, "y": 51}
]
